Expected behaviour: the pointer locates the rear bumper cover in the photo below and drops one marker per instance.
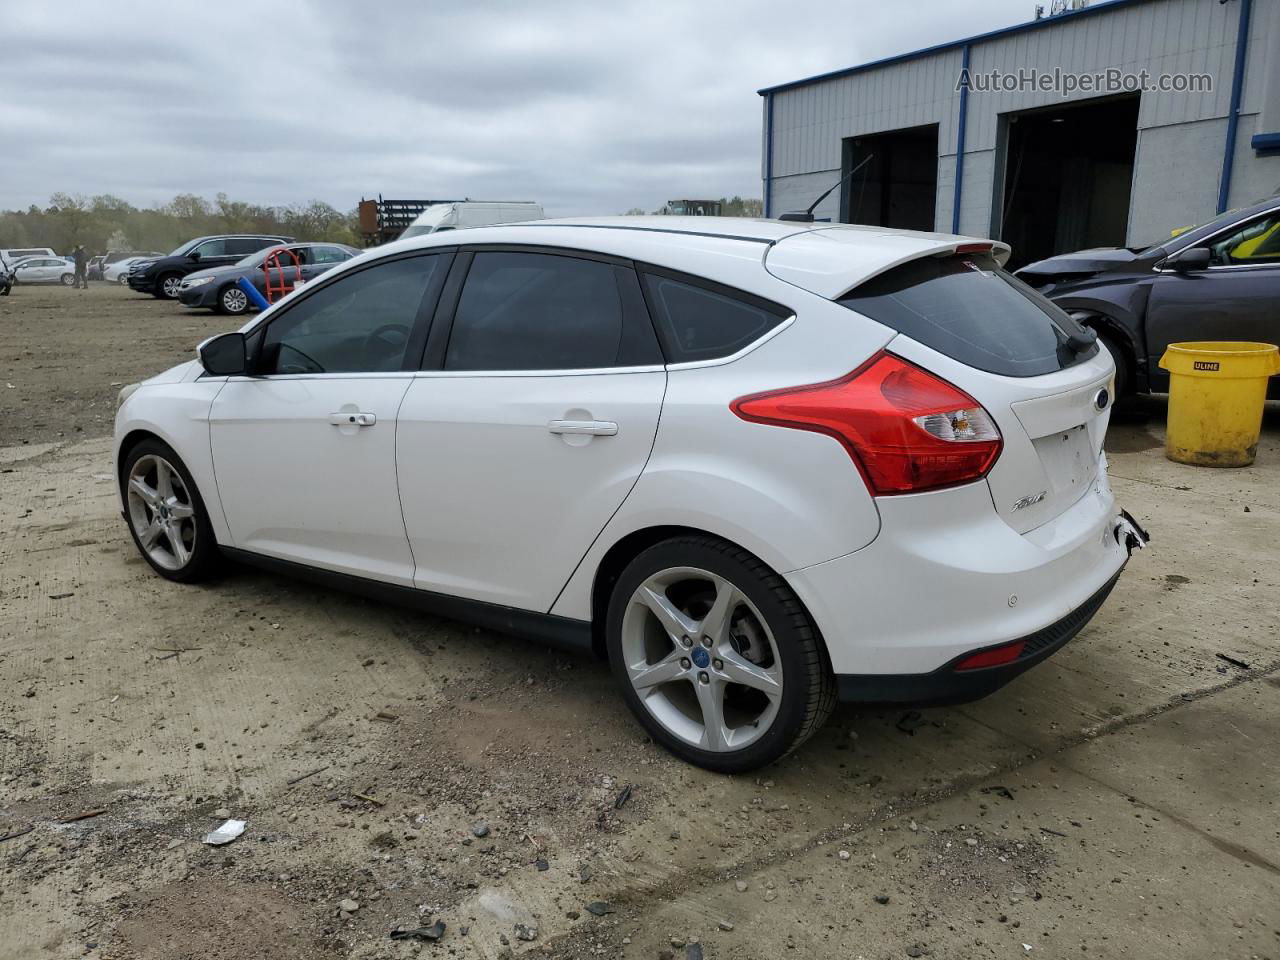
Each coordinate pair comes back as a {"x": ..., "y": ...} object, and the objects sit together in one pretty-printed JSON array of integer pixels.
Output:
[{"x": 949, "y": 685}]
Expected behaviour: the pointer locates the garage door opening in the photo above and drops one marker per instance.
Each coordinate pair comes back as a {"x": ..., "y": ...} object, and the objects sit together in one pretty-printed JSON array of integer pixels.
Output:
[
  {"x": 898, "y": 187},
  {"x": 1067, "y": 177}
]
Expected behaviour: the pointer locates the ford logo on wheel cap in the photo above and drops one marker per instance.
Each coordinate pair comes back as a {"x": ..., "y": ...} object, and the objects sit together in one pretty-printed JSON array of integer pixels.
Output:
[{"x": 700, "y": 657}]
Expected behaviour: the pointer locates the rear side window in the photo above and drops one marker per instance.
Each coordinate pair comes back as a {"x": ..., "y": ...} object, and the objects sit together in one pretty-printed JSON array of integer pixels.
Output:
[
  {"x": 701, "y": 323},
  {"x": 969, "y": 309},
  {"x": 534, "y": 311}
]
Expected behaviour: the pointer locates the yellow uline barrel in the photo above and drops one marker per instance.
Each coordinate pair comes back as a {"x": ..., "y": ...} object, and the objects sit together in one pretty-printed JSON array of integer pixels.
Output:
[{"x": 1217, "y": 391}]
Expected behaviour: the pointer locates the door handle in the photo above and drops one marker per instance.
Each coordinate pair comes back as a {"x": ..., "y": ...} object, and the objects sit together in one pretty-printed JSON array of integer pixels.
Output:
[
  {"x": 591, "y": 428},
  {"x": 359, "y": 419}
]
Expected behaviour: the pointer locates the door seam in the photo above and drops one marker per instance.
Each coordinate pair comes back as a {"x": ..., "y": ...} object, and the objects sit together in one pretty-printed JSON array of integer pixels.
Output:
[{"x": 662, "y": 405}]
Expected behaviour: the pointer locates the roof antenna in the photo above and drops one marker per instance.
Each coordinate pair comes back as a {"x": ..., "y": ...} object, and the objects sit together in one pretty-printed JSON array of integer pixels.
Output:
[{"x": 807, "y": 215}]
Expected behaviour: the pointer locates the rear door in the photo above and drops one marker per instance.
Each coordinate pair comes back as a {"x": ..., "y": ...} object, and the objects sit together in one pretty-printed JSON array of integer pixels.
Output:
[
  {"x": 530, "y": 426},
  {"x": 965, "y": 319},
  {"x": 1235, "y": 298}
]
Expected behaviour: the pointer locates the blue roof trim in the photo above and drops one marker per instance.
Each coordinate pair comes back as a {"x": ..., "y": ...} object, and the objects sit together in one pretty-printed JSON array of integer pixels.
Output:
[{"x": 951, "y": 45}]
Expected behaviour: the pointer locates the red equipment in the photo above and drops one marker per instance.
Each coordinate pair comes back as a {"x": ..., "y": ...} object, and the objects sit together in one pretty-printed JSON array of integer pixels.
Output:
[{"x": 272, "y": 261}]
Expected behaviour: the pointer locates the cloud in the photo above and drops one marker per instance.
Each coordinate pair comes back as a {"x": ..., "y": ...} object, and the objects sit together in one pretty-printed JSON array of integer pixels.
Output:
[{"x": 586, "y": 107}]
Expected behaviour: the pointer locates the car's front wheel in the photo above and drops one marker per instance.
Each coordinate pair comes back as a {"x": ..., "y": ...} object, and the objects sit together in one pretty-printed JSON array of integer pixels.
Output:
[
  {"x": 166, "y": 515},
  {"x": 232, "y": 300},
  {"x": 716, "y": 656},
  {"x": 167, "y": 286},
  {"x": 123, "y": 279},
  {"x": 68, "y": 279}
]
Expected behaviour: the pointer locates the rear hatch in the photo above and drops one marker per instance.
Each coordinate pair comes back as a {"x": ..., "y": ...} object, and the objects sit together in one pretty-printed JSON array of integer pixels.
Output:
[{"x": 1040, "y": 376}]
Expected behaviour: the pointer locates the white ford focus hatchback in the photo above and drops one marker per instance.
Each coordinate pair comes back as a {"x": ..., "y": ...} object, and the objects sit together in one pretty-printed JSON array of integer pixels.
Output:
[{"x": 759, "y": 466}]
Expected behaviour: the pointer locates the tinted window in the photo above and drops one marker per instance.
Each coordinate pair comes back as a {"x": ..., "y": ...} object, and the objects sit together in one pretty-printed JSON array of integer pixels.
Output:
[
  {"x": 359, "y": 324},
  {"x": 534, "y": 311},
  {"x": 239, "y": 246},
  {"x": 212, "y": 248},
  {"x": 1256, "y": 242},
  {"x": 697, "y": 323},
  {"x": 969, "y": 309}
]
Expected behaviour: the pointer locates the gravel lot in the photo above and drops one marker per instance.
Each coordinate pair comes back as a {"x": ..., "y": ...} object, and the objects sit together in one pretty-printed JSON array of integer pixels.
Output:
[{"x": 1119, "y": 801}]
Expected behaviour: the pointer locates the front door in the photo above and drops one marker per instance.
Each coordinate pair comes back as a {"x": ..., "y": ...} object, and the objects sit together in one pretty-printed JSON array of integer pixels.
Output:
[
  {"x": 1237, "y": 297},
  {"x": 514, "y": 454},
  {"x": 305, "y": 451}
]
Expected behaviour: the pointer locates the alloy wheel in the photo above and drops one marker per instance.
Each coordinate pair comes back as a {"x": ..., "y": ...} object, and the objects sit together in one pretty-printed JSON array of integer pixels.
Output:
[
  {"x": 161, "y": 512},
  {"x": 234, "y": 300},
  {"x": 169, "y": 286},
  {"x": 702, "y": 659}
]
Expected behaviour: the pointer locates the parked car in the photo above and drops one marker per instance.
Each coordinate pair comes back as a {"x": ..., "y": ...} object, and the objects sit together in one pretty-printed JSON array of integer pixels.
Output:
[
  {"x": 216, "y": 288},
  {"x": 461, "y": 214},
  {"x": 757, "y": 465},
  {"x": 44, "y": 270},
  {"x": 1219, "y": 281},
  {"x": 118, "y": 271},
  {"x": 162, "y": 277},
  {"x": 13, "y": 254},
  {"x": 93, "y": 269}
]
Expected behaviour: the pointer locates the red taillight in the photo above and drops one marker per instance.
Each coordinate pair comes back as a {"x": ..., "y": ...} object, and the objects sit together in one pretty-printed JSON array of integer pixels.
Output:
[
  {"x": 994, "y": 657},
  {"x": 906, "y": 430}
]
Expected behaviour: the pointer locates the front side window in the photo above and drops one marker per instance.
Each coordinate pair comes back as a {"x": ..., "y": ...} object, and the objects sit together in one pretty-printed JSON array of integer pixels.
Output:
[
  {"x": 212, "y": 248},
  {"x": 699, "y": 323},
  {"x": 360, "y": 323},
  {"x": 1256, "y": 242},
  {"x": 535, "y": 311}
]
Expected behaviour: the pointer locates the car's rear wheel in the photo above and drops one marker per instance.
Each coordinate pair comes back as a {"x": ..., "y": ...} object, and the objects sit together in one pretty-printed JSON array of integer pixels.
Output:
[
  {"x": 1121, "y": 359},
  {"x": 166, "y": 515},
  {"x": 123, "y": 279},
  {"x": 716, "y": 655},
  {"x": 167, "y": 286},
  {"x": 232, "y": 300},
  {"x": 68, "y": 279}
]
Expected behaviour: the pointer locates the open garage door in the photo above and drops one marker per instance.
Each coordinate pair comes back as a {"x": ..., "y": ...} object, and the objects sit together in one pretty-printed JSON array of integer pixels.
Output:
[
  {"x": 1067, "y": 177},
  {"x": 898, "y": 187}
]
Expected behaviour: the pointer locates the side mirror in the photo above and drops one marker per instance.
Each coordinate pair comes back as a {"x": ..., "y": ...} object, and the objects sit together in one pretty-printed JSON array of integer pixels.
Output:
[
  {"x": 1197, "y": 258},
  {"x": 224, "y": 356},
  {"x": 194, "y": 255}
]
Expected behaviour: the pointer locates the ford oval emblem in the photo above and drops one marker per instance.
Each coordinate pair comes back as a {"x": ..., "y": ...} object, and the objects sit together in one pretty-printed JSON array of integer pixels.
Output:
[{"x": 1102, "y": 399}]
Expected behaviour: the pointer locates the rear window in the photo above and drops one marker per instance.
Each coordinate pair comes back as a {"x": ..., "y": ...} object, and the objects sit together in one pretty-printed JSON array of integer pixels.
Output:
[{"x": 971, "y": 310}]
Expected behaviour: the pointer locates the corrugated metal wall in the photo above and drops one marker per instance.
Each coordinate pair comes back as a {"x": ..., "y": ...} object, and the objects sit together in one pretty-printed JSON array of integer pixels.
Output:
[{"x": 1160, "y": 36}]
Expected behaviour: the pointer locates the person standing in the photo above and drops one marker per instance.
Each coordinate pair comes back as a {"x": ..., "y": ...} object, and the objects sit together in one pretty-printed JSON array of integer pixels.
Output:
[{"x": 82, "y": 263}]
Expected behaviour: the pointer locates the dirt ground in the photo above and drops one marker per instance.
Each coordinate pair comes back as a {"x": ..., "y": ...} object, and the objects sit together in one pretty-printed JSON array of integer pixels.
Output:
[{"x": 1121, "y": 800}]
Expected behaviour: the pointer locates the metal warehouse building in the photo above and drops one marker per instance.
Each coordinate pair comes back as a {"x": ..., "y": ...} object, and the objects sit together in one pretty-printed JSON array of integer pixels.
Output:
[{"x": 1048, "y": 170}]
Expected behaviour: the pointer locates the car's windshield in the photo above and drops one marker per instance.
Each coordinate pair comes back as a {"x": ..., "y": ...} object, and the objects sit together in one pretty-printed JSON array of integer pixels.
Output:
[
  {"x": 1221, "y": 221},
  {"x": 427, "y": 221}
]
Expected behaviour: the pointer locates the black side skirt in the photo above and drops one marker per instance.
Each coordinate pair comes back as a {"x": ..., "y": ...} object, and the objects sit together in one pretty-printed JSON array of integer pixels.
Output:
[
  {"x": 948, "y": 685},
  {"x": 562, "y": 633}
]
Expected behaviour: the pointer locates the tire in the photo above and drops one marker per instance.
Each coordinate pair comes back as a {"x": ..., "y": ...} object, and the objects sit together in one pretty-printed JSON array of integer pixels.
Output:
[
  {"x": 232, "y": 301},
  {"x": 1124, "y": 376},
  {"x": 671, "y": 682},
  {"x": 167, "y": 286},
  {"x": 123, "y": 279},
  {"x": 68, "y": 279},
  {"x": 182, "y": 514}
]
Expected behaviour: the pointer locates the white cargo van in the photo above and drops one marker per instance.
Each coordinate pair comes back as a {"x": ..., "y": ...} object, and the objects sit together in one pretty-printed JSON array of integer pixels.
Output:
[{"x": 471, "y": 213}]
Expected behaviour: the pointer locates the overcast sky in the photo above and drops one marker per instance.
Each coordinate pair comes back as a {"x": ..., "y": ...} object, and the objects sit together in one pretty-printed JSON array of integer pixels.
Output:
[{"x": 588, "y": 107}]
